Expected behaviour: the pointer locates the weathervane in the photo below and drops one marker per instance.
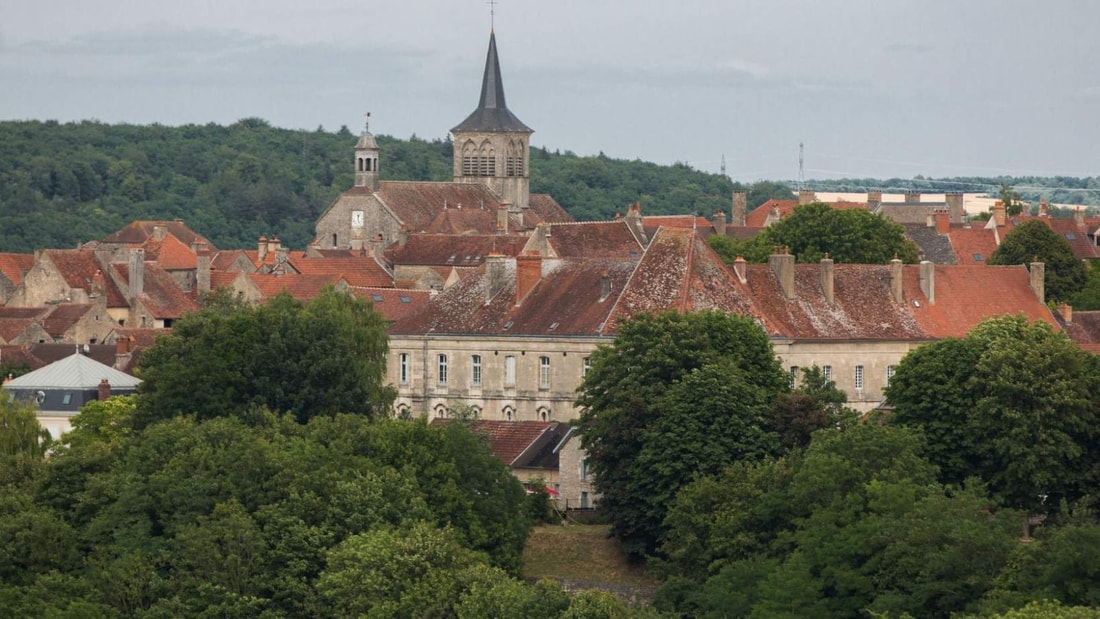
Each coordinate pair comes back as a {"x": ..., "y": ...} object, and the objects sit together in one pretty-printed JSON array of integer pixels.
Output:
[
  {"x": 492, "y": 13},
  {"x": 367, "y": 127}
]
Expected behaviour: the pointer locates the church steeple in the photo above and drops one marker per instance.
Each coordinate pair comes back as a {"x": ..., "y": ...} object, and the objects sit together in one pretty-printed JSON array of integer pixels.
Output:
[
  {"x": 366, "y": 161},
  {"x": 491, "y": 145}
]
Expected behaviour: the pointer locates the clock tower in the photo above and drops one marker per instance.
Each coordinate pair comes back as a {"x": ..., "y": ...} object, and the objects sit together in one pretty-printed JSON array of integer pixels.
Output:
[{"x": 366, "y": 161}]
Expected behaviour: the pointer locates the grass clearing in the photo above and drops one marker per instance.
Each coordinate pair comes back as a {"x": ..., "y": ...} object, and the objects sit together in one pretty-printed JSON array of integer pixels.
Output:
[{"x": 584, "y": 553}]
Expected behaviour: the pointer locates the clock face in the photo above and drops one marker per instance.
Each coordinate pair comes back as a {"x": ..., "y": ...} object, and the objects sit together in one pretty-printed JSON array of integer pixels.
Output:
[{"x": 357, "y": 219}]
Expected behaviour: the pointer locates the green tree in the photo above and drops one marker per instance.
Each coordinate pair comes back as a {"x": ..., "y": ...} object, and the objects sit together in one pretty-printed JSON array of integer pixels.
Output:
[
  {"x": 853, "y": 236},
  {"x": 1011, "y": 200},
  {"x": 674, "y": 396},
  {"x": 813, "y": 404},
  {"x": 1011, "y": 403},
  {"x": 23, "y": 442},
  {"x": 322, "y": 358},
  {"x": 1064, "y": 275}
]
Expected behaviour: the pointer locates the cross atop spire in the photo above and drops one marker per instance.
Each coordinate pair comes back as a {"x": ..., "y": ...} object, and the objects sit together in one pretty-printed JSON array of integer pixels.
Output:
[{"x": 492, "y": 14}]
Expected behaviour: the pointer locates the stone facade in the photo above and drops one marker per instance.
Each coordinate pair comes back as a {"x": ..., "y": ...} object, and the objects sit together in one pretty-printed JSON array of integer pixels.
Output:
[
  {"x": 500, "y": 160},
  {"x": 576, "y": 488}
]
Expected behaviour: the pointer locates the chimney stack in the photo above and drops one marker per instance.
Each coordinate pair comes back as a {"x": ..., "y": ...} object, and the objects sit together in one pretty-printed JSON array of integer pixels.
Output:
[
  {"x": 740, "y": 207},
  {"x": 1066, "y": 311},
  {"x": 104, "y": 390},
  {"x": 137, "y": 272},
  {"x": 605, "y": 286},
  {"x": 1079, "y": 216},
  {"x": 955, "y": 205},
  {"x": 805, "y": 196},
  {"x": 783, "y": 266},
  {"x": 528, "y": 273},
  {"x": 356, "y": 241},
  {"x": 494, "y": 269},
  {"x": 1036, "y": 275},
  {"x": 375, "y": 245},
  {"x": 739, "y": 269},
  {"x": 202, "y": 270},
  {"x": 998, "y": 210},
  {"x": 1042, "y": 207},
  {"x": 874, "y": 200},
  {"x": 928, "y": 280},
  {"x": 896, "y": 272},
  {"x": 159, "y": 231},
  {"x": 502, "y": 220},
  {"x": 827, "y": 272},
  {"x": 912, "y": 196},
  {"x": 261, "y": 248},
  {"x": 943, "y": 220},
  {"x": 719, "y": 221}
]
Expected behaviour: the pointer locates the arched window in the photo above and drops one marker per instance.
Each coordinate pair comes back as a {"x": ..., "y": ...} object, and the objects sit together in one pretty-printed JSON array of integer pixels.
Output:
[
  {"x": 404, "y": 412},
  {"x": 509, "y": 413},
  {"x": 440, "y": 411},
  {"x": 544, "y": 414}
]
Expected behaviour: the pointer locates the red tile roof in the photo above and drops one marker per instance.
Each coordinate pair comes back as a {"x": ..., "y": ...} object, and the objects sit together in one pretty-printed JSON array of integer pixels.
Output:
[
  {"x": 417, "y": 204},
  {"x": 14, "y": 266},
  {"x": 170, "y": 254},
  {"x": 508, "y": 440},
  {"x": 759, "y": 215},
  {"x": 364, "y": 272},
  {"x": 78, "y": 266},
  {"x": 301, "y": 287},
  {"x": 467, "y": 250},
  {"x": 139, "y": 232},
  {"x": 969, "y": 243},
  {"x": 546, "y": 210},
  {"x": 64, "y": 316},
  {"x": 161, "y": 295},
  {"x": 392, "y": 303},
  {"x": 605, "y": 239},
  {"x": 687, "y": 222},
  {"x": 1084, "y": 330}
]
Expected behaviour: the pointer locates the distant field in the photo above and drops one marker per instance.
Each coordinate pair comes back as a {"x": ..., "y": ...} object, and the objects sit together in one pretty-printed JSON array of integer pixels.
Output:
[{"x": 582, "y": 556}]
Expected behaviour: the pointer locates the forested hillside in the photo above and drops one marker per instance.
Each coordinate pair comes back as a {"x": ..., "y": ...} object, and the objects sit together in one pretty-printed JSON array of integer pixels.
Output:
[{"x": 65, "y": 183}]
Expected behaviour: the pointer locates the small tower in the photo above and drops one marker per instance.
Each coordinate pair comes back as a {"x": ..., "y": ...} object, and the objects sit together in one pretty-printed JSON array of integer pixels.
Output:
[
  {"x": 366, "y": 161},
  {"x": 491, "y": 146}
]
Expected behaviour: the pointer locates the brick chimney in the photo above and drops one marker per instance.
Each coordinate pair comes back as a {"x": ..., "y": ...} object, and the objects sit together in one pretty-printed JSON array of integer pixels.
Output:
[
  {"x": 1079, "y": 216},
  {"x": 998, "y": 210},
  {"x": 137, "y": 272},
  {"x": 827, "y": 272},
  {"x": 502, "y": 220},
  {"x": 605, "y": 285},
  {"x": 356, "y": 241},
  {"x": 874, "y": 199},
  {"x": 1042, "y": 207},
  {"x": 943, "y": 220},
  {"x": 782, "y": 263},
  {"x": 261, "y": 248},
  {"x": 528, "y": 273},
  {"x": 805, "y": 196},
  {"x": 122, "y": 345},
  {"x": 104, "y": 390},
  {"x": 740, "y": 207},
  {"x": 1066, "y": 312},
  {"x": 896, "y": 273},
  {"x": 719, "y": 221},
  {"x": 494, "y": 270},
  {"x": 99, "y": 284},
  {"x": 928, "y": 280},
  {"x": 955, "y": 205},
  {"x": 1036, "y": 274},
  {"x": 202, "y": 270},
  {"x": 739, "y": 269},
  {"x": 912, "y": 196}
]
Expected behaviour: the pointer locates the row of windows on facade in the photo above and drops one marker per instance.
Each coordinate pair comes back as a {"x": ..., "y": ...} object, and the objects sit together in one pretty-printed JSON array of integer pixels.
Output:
[
  {"x": 478, "y": 165},
  {"x": 857, "y": 375},
  {"x": 442, "y": 374},
  {"x": 508, "y": 413}
]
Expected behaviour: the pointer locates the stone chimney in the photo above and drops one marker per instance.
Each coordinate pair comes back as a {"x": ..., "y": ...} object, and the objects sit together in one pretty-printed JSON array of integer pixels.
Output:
[
  {"x": 739, "y": 267},
  {"x": 1037, "y": 273},
  {"x": 104, "y": 390},
  {"x": 955, "y": 205},
  {"x": 943, "y": 220},
  {"x": 1079, "y": 216},
  {"x": 998, "y": 210},
  {"x": 1043, "y": 207},
  {"x": 874, "y": 200},
  {"x": 99, "y": 284},
  {"x": 912, "y": 196},
  {"x": 719, "y": 221},
  {"x": 605, "y": 285},
  {"x": 928, "y": 280},
  {"x": 502, "y": 220},
  {"x": 202, "y": 270},
  {"x": 403, "y": 236},
  {"x": 494, "y": 271},
  {"x": 528, "y": 273},
  {"x": 281, "y": 254},
  {"x": 805, "y": 196},
  {"x": 375, "y": 245},
  {"x": 123, "y": 345},
  {"x": 1066, "y": 312},
  {"x": 634, "y": 222},
  {"x": 261, "y": 248},
  {"x": 782, "y": 263},
  {"x": 137, "y": 272},
  {"x": 827, "y": 272},
  {"x": 740, "y": 207},
  {"x": 896, "y": 273},
  {"x": 356, "y": 241},
  {"x": 160, "y": 231}
]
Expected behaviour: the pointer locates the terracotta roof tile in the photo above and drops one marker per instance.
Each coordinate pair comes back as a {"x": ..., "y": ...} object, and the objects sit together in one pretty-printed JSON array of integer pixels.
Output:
[
  {"x": 967, "y": 295},
  {"x": 301, "y": 287},
  {"x": 139, "y": 232},
  {"x": 758, "y": 217},
  {"x": 607, "y": 239},
  {"x": 393, "y": 303},
  {"x": 11, "y": 328},
  {"x": 448, "y": 250},
  {"x": 170, "y": 254},
  {"x": 161, "y": 296},
  {"x": 355, "y": 271},
  {"x": 14, "y": 266},
  {"x": 416, "y": 204},
  {"x": 64, "y": 316},
  {"x": 508, "y": 440},
  {"x": 547, "y": 210},
  {"x": 973, "y": 246},
  {"x": 21, "y": 313},
  {"x": 688, "y": 222},
  {"x": 78, "y": 266}
]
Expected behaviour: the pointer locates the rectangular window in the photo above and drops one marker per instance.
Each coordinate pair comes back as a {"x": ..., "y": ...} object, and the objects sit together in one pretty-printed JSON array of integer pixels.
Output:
[
  {"x": 890, "y": 369},
  {"x": 475, "y": 370},
  {"x": 509, "y": 371},
  {"x": 403, "y": 368},
  {"x": 793, "y": 378},
  {"x": 67, "y": 398},
  {"x": 441, "y": 375},
  {"x": 586, "y": 365},
  {"x": 584, "y": 500},
  {"x": 544, "y": 373},
  {"x": 827, "y": 372},
  {"x": 584, "y": 469},
  {"x": 859, "y": 378}
]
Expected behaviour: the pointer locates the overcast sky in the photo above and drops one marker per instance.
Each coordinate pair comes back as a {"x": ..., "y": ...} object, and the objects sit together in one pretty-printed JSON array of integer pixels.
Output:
[{"x": 871, "y": 87}]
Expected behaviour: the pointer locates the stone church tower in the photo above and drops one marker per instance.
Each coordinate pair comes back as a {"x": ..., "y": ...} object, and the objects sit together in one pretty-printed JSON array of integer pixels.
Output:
[
  {"x": 366, "y": 161},
  {"x": 491, "y": 145}
]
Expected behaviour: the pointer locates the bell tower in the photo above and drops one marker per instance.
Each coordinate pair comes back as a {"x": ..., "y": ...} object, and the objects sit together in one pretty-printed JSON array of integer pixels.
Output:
[
  {"x": 491, "y": 146},
  {"x": 366, "y": 160}
]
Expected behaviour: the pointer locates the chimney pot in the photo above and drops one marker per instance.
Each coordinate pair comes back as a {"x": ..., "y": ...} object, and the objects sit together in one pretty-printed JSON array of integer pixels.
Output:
[
  {"x": 783, "y": 266},
  {"x": 928, "y": 281},
  {"x": 827, "y": 273},
  {"x": 896, "y": 272}
]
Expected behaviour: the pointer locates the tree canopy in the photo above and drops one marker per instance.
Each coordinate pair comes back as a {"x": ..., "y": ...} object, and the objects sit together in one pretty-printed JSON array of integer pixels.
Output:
[
  {"x": 320, "y": 358},
  {"x": 675, "y": 395},
  {"x": 816, "y": 229},
  {"x": 1064, "y": 274},
  {"x": 1011, "y": 403}
]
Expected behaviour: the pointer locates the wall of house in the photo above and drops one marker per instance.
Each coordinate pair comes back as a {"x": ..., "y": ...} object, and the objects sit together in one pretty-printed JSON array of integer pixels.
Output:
[
  {"x": 575, "y": 481},
  {"x": 525, "y": 399},
  {"x": 92, "y": 328},
  {"x": 877, "y": 359},
  {"x": 377, "y": 219},
  {"x": 42, "y": 284}
]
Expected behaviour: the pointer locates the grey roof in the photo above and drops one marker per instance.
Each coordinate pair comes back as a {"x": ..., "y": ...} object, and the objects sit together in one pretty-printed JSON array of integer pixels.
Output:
[
  {"x": 366, "y": 142},
  {"x": 73, "y": 372},
  {"x": 933, "y": 245},
  {"x": 492, "y": 114}
]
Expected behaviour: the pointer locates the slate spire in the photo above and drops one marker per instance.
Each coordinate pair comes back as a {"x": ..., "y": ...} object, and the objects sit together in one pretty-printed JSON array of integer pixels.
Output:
[{"x": 492, "y": 114}]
